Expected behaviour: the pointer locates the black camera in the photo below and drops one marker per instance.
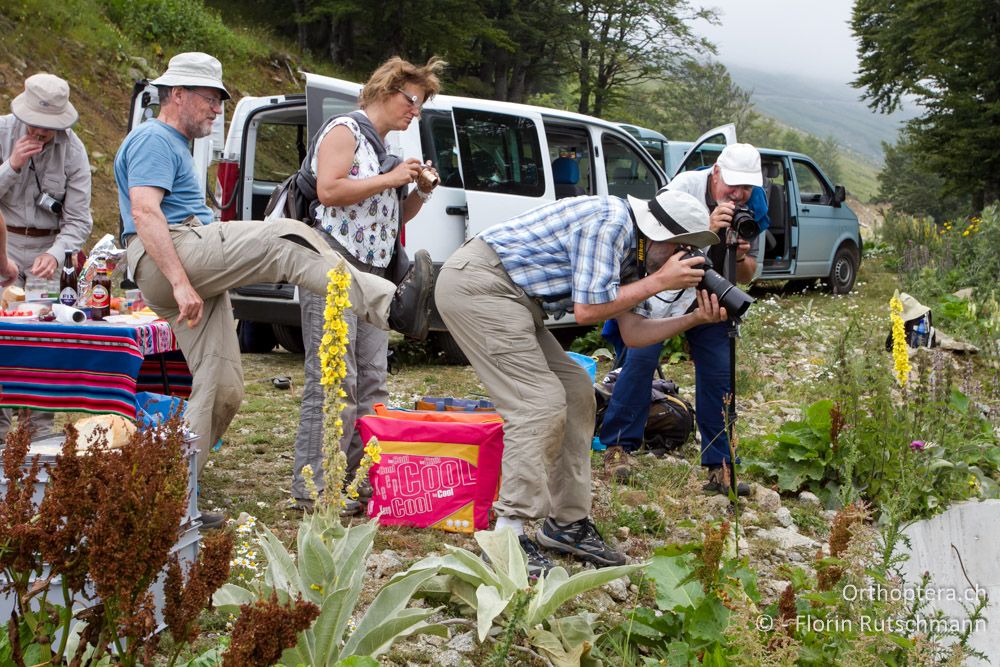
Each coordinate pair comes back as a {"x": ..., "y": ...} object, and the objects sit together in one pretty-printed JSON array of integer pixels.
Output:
[
  {"x": 47, "y": 202},
  {"x": 744, "y": 224},
  {"x": 731, "y": 297}
]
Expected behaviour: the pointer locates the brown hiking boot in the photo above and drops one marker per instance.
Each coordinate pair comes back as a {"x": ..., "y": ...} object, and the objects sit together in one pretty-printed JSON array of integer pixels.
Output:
[
  {"x": 618, "y": 465},
  {"x": 719, "y": 482}
]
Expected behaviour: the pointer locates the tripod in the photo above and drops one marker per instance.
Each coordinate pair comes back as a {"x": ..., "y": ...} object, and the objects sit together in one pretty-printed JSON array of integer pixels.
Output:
[{"x": 732, "y": 243}]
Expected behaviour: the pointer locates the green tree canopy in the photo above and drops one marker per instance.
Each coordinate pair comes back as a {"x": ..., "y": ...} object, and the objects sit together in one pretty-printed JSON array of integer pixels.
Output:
[{"x": 946, "y": 54}]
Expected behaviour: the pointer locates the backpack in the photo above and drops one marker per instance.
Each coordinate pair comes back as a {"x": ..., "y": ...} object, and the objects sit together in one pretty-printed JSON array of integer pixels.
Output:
[
  {"x": 296, "y": 197},
  {"x": 671, "y": 418}
]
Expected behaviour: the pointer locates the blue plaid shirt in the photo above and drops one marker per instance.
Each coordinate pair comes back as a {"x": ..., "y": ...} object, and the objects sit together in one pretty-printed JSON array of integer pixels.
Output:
[{"x": 566, "y": 252}]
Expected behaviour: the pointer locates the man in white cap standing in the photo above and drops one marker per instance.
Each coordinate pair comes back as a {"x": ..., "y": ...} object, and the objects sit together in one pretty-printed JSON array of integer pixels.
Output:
[
  {"x": 185, "y": 264},
  {"x": 44, "y": 188},
  {"x": 579, "y": 255},
  {"x": 730, "y": 183}
]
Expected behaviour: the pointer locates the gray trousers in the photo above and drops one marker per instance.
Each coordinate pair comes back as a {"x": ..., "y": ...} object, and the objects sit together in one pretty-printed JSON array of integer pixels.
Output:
[
  {"x": 364, "y": 382},
  {"x": 224, "y": 255},
  {"x": 545, "y": 398},
  {"x": 23, "y": 250}
]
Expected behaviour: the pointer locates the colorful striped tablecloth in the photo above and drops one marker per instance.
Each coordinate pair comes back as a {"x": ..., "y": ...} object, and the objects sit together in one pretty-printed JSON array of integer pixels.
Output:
[{"x": 90, "y": 367}]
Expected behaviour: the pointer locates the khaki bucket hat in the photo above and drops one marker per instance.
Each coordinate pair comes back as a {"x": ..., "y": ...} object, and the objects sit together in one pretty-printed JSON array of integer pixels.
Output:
[
  {"x": 193, "y": 69},
  {"x": 45, "y": 103}
]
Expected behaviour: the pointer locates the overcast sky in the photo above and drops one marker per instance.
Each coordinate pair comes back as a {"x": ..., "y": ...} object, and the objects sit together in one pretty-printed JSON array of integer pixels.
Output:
[{"x": 810, "y": 37}]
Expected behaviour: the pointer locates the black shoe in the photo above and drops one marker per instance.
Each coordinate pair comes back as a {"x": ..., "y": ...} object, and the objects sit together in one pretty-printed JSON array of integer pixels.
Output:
[
  {"x": 579, "y": 539},
  {"x": 538, "y": 564},
  {"x": 212, "y": 520},
  {"x": 719, "y": 483},
  {"x": 351, "y": 508},
  {"x": 410, "y": 312}
]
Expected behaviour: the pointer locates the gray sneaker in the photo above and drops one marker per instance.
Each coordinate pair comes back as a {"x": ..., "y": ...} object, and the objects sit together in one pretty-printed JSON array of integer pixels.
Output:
[
  {"x": 579, "y": 539},
  {"x": 410, "y": 310},
  {"x": 538, "y": 563}
]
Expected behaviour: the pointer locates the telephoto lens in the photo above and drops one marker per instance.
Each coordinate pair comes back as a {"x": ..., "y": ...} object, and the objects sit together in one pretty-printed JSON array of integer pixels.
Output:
[{"x": 732, "y": 298}]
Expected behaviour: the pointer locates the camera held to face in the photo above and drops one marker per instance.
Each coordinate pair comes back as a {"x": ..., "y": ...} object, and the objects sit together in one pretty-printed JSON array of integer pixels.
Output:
[
  {"x": 731, "y": 297},
  {"x": 47, "y": 202},
  {"x": 744, "y": 224},
  {"x": 427, "y": 179}
]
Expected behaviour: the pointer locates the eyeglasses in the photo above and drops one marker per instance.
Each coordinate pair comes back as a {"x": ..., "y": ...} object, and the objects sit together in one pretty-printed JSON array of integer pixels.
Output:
[
  {"x": 412, "y": 99},
  {"x": 212, "y": 100}
]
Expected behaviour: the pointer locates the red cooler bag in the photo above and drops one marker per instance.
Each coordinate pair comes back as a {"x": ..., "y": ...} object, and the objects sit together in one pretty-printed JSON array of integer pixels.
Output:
[{"x": 438, "y": 469}]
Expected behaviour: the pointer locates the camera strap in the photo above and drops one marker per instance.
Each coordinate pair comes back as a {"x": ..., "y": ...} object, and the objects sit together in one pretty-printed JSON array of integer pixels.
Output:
[
  {"x": 34, "y": 172},
  {"x": 634, "y": 263}
]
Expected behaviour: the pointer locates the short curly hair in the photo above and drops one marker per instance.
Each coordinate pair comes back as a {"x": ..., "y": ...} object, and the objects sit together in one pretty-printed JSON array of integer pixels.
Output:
[{"x": 395, "y": 73}]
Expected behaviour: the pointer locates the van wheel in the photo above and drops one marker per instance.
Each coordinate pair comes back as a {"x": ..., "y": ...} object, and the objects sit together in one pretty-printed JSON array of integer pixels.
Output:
[
  {"x": 255, "y": 337},
  {"x": 289, "y": 337},
  {"x": 843, "y": 272},
  {"x": 451, "y": 353}
]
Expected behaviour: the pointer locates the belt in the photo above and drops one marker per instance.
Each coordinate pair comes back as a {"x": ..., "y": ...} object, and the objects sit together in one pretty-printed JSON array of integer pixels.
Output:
[{"x": 31, "y": 231}]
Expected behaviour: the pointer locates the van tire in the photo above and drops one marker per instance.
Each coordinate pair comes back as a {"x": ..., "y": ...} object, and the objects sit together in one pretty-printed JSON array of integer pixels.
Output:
[
  {"x": 444, "y": 343},
  {"x": 289, "y": 337},
  {"x": 843, "y": 271},
  {"x": 255, "y": 337}
]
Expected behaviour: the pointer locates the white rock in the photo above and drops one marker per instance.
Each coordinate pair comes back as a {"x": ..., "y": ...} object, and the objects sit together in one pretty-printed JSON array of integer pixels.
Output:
[
  {"x": 748, "y": 517},
  {"x": 617, "y": 589},
  {"x": 449, "y": 659},
  {"x": 809, "y": 498},
  {"x": 384, "y": 563},
  {"x": 795, "y": 556},
  {"x": 829, "y": 515},
  {"x": 767, "y": 499},
  {"x": 784, "y": 517},
  {"x": 717, "y": 504},
  {"x": 786, "y": 538},
  {"x": 463, "y": 643}
]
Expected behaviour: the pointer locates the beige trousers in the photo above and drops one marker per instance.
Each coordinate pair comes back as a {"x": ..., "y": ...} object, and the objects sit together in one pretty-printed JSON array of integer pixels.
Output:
[
  {"x": 545, "y": 398},
  {"x": 217, "y": 258}
]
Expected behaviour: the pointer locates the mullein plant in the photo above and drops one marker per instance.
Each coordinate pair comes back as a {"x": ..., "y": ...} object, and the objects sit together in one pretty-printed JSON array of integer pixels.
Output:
[
  {"x": 328, "y": 569},
  {"x": 900, "y": 352},
  {"x": 102, "y": 535}
]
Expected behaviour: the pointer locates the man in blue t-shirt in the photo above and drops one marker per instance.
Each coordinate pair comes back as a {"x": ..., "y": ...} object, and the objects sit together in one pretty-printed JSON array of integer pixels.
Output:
[{"x": 185, "y": 266}]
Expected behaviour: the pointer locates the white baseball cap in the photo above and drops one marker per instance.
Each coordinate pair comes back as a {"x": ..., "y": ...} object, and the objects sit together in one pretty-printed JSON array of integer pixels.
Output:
[
  {"x": 45, "y": 103},
  {"x": 673, "y": 216},
  {"x": 740, "y": 165},
  {"x": 193, "y": 69}
]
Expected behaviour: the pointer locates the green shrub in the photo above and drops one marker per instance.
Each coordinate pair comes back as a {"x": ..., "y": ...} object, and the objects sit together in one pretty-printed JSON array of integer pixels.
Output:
[{"x": 187, "y": 25}]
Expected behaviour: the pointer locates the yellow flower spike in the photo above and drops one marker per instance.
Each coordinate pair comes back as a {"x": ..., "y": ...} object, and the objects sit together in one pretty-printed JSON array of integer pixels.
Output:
[
  {"x": 900, "y": 355},
  {"x": 333, "y": 346}
]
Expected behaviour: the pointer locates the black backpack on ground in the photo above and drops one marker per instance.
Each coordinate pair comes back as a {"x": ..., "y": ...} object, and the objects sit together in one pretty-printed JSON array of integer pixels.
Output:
[{"x": 671, "y": 418}]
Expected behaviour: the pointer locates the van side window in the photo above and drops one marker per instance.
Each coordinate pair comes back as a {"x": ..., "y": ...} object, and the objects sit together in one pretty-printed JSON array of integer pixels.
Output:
[
  {"x": 813, "y": 188},
  {"x": 437, "y": 137},
  {"x": 628, "y": 172},
  {"x": 279, "y": 151},
  {"x": 499, "y": 153}
]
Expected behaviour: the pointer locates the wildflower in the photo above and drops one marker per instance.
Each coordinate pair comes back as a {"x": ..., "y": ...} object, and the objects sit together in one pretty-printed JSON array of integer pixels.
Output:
[
  {"x": 918, "y": 445},
  {"x": 973, "y": 484},
  {"x": 333, "y": 347},
  {"x": 900, "y": 356},
  {"x": 265, "y": 629}
]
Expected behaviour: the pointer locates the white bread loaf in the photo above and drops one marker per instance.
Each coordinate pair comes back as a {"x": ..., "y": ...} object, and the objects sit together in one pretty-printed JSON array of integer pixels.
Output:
[{"x": 115, "y": 428}]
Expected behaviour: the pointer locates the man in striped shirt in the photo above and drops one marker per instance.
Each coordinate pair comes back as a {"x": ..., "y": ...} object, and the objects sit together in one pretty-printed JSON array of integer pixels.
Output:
[{"x": 494, "y": 293}]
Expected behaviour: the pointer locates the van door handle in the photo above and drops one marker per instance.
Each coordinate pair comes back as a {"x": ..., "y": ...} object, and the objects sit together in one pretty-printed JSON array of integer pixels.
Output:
[
  {"x": 805, "y": 210},
  {"x": 457, "y": 210}
]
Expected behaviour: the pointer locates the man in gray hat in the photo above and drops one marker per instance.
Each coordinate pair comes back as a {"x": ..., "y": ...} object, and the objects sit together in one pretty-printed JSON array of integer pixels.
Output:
[
  {"x": 44, "y": 188},
  {"x": 185, "y": 264}
]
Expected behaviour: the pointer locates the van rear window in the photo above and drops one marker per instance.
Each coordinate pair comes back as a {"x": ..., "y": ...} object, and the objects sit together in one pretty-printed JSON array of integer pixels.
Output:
[{"x": 499, "y": 153}]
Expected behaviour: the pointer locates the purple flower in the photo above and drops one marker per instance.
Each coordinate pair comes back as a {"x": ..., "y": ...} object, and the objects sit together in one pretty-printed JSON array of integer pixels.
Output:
[{"x": 918, "y": 445}]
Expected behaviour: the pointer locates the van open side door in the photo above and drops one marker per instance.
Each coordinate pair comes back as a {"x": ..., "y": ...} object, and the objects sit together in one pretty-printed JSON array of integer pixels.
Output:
[{"x": 706, "y": 148}]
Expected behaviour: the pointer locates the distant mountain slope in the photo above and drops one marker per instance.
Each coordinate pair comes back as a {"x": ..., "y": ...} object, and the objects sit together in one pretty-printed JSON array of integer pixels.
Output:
[{"x": 821, "y": 108}]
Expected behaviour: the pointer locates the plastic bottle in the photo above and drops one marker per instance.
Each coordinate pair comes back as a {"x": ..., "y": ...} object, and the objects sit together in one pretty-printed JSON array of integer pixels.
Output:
[
  {"x": 100, "y": 301},
  {"x": 920, "y": 339},
  {"x": 68, "y": 294}
]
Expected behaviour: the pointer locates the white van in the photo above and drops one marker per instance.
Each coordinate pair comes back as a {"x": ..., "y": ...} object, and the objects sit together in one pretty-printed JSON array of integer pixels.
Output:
[{"x": 495, "y": 159}]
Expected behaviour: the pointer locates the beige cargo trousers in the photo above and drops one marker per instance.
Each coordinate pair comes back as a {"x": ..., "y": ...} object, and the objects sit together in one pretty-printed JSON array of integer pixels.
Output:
[
  {"x": 224, "y": 255},
  {"x": 545, "y": 398}
]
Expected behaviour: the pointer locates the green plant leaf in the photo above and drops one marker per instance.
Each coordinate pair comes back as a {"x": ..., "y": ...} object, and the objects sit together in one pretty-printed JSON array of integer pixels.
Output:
[
  {"x": 387, "y": 616},
  {"x": 708, "y": 620},
  {"x": 668, "y": 572},
  {"x": 210, "y": 658},
  {"x": 231, "y": 597},
  {"x": 575, "y": 630},
  {"x": 408, "y": 622},
  {"x": 505, "y": 554},
  {"x": 357, "y": 661},
  {"x": 316, "y": 566},
  {"x": 959, "y": 401},
  {"x": 489, "y": 605},
  {"x": 818, "y": 417},
  {"x": 281, "y": 573},
  {"x": 550, "y": 646},
  {"x": 554, "y": 589}
]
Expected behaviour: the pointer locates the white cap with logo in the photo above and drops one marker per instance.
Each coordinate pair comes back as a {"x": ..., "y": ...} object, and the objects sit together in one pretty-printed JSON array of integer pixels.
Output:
[{"x": 739, "y": 164}]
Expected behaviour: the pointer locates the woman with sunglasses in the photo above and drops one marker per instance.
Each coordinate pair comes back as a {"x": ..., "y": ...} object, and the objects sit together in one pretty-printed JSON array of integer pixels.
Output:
[{"x": 363, "y": 203}]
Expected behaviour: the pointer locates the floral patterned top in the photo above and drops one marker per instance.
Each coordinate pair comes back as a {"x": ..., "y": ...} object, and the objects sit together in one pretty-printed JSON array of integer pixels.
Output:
[{"x": 367, "y": 229}]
